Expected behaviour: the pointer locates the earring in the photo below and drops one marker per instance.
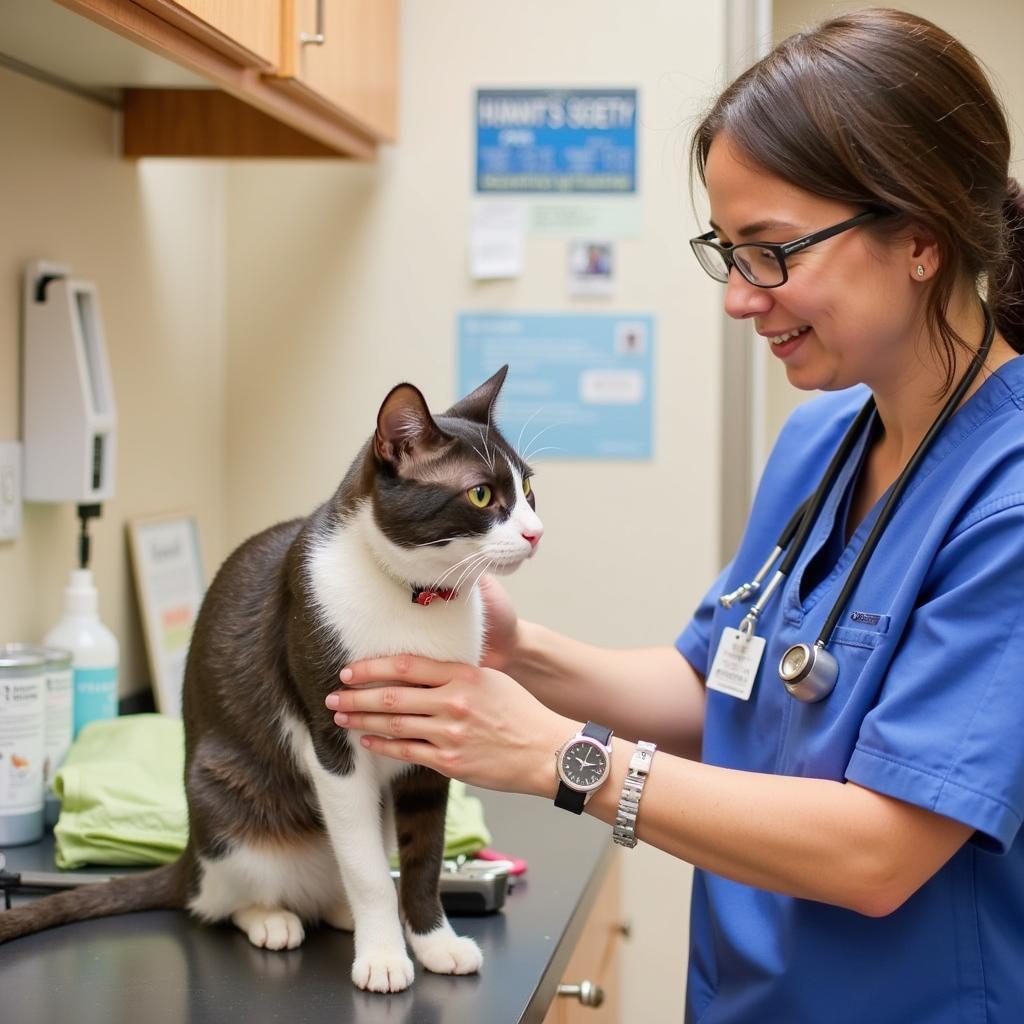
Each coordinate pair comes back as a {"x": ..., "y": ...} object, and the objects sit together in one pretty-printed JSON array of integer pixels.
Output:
[{"x": 920, "y": 270}]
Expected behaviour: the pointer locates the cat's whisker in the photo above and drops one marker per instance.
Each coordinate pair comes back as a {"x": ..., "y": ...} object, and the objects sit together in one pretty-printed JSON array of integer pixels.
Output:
[
  {"x": 522, "y": 430},
  {"x": 483, "y": 458},
  {"x": 455, "y": 565},
  {"x": 490, "y": 409},
  {"x": 484, "y": 570},
  {"x": 443, "y": 540},
  {"x": 489, "y": 456},
  {"x": 462, "y": 561},
  {"x": 536, "y": 437},
  {"x": 470, "y": 568},
  {"x": 547, "y": 448}
]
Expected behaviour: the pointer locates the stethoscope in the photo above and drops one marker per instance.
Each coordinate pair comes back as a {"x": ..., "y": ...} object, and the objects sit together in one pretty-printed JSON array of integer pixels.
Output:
[{"x": 809, "y": 671}]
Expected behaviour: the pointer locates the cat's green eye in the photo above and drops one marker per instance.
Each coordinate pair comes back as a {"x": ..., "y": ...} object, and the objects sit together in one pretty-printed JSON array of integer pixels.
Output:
[
  {"x": 527, "y": 487},
  {"x": 479, "y": 496}
]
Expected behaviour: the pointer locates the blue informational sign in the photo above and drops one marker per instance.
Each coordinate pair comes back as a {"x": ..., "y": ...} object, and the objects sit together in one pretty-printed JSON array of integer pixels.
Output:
[
  {"x": 556, "y": 141},
  {"x": 579, "y": 386}
]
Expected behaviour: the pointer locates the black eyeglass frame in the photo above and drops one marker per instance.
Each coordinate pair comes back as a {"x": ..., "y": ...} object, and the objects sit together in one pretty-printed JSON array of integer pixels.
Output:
[{"x": 780, "y": 249}]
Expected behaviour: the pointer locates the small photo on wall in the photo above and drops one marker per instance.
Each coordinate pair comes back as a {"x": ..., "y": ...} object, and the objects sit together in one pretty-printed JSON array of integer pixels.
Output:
[{"x": 591, "y": 268}]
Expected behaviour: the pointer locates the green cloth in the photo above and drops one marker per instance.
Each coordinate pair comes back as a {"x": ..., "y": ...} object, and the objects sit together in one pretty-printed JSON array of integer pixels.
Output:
[
  {"x": 123, "y": 799},
  {"x": 122, "y": 795},
  {"x": 464, "y": 830}
]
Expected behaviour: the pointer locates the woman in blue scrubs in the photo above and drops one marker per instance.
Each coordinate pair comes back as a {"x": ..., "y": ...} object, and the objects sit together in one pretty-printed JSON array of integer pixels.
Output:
[{"x": 858, "y": 857}]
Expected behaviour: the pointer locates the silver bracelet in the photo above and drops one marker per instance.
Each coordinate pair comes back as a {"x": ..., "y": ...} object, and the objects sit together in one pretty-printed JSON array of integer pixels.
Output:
[{"x": 624, "y": 832}]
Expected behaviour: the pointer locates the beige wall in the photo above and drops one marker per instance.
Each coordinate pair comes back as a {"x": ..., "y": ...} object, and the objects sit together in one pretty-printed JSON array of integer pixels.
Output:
[
  {"x": 992, "y": 30},
  {"x": 256, "y": 313},
  {"x": 343, "y": 280},
  {"x": 151, "y": 238}
]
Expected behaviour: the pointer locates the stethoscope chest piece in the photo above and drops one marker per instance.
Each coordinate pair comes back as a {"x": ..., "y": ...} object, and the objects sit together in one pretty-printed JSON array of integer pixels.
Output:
[{"x": 808, "y": 672}]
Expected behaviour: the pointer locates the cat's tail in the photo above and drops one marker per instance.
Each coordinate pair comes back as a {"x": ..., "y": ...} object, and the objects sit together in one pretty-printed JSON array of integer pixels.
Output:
[{"x": 163, "y": 888}]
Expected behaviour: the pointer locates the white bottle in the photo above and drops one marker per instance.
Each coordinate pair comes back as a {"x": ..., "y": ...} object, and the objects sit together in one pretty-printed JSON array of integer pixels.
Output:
[{"x": 94, "y": 651}]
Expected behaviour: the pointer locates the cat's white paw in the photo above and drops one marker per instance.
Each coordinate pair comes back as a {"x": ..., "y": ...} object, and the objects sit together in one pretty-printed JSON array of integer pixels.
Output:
[
  {"x": 444, "y": 952},
  {"x": 383, "y": 970},
  {"x": 270, "y": 928}
]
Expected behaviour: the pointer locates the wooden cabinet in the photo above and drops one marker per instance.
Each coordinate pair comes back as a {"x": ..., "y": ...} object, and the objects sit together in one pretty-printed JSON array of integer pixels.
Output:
[
  {"x": 596, "y": 958},
  {"x": 353, "y": 65},
  {"x": 248, "y": 29},
  {"x": 272, "y": 92}
]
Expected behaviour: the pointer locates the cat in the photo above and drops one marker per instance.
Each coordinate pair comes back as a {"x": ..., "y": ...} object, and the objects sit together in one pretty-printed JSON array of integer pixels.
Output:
[{"x": 289, "y": 816}]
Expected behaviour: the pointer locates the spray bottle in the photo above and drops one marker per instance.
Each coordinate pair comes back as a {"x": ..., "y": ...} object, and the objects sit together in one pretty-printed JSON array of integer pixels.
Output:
[{"x": 94, "y": 648}]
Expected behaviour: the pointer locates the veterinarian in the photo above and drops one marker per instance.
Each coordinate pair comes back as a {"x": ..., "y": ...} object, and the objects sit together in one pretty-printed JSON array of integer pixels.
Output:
[{"x": 839, "y": 729}]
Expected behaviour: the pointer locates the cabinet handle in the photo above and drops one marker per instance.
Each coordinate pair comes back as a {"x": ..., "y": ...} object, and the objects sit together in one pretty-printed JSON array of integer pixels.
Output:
[
  {"x": 586, "y": 992},
  {"x": 317, "y": 39}
]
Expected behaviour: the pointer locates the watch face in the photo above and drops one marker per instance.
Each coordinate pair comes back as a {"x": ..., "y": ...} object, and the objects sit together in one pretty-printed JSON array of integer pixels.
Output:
[{"x": 583, "y": 765}]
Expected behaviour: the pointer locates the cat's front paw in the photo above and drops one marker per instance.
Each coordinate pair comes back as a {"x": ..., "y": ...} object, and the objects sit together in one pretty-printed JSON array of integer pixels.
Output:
[
  {"x": 444, "y": 952},
  {"x": 269, "y": 928},
  {"x": 383, "y": 970}
]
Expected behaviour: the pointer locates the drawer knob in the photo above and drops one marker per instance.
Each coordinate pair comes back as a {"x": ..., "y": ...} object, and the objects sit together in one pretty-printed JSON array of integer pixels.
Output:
[{"x": 586, "y": 992}]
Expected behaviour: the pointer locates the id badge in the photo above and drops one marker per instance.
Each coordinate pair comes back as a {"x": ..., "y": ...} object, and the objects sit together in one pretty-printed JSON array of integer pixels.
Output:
[{"x": 735, "y": 666}]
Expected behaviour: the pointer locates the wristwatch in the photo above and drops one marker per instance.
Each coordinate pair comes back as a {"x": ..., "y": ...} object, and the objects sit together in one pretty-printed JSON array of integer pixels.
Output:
[{"x": 583, "y": 764}]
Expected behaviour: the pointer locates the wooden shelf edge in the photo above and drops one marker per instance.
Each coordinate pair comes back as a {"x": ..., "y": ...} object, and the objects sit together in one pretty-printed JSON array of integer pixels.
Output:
[
  {"x": 207, "y": 123},
  {"x": 297, "y": 90},
  {"x": 322, "y": 124}
]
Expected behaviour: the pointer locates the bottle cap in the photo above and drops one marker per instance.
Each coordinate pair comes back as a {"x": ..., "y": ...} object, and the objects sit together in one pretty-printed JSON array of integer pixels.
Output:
[{"x": 80, "y": 597}]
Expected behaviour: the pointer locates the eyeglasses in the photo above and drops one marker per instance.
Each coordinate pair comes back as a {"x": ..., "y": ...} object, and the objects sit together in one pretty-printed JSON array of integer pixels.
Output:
[{"x": 763, "y": 264}]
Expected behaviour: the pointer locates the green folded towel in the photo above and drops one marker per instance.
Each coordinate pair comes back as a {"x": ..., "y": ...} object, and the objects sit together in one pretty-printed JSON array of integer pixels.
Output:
[
  {"x": 123, "y": 801},
  {"x": 122, "y": 795}
]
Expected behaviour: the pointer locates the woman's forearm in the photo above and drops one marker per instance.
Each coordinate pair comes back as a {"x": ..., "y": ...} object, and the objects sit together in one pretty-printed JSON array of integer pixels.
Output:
[
  {"x": 649, "y": 693},
  {"x": 811, "y": 838}
]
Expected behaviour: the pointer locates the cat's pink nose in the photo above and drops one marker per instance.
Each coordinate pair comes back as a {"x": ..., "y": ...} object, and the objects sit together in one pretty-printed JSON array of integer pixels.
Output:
[{"x": 533, "y": 537}]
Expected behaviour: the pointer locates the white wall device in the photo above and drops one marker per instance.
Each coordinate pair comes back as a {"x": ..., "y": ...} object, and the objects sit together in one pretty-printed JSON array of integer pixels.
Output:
[{"x": 68, "y": 415}]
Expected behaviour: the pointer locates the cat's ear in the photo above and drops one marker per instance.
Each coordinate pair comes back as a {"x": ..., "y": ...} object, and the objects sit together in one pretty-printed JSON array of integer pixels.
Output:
[
  {"x": 405, "y": 426},
  {"x": 479, "y": 404}
]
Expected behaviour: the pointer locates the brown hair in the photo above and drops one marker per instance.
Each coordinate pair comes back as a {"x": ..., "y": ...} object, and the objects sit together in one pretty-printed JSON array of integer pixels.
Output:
[{"x": 882, "y": 109}]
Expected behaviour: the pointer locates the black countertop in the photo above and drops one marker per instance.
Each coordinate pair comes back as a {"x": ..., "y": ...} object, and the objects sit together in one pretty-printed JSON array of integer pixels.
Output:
[{"x": 162, "y": 967}]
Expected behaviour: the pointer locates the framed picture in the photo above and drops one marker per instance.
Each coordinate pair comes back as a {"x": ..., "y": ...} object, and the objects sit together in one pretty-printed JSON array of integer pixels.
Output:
[{"x": 170, "y": 584}]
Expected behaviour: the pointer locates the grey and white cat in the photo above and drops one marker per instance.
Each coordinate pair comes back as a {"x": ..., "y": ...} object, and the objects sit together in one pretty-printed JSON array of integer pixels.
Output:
[{"x": 290, "y": 818}]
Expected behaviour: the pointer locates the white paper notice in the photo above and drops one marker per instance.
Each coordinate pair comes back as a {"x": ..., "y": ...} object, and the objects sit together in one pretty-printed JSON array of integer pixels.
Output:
[
  {"x": 497, "y": 240},
  {"x": 611, "y": 387}
]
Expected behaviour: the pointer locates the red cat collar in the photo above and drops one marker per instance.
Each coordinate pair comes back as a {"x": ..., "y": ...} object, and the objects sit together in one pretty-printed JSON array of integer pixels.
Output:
[{"x": 425, "y": 597}]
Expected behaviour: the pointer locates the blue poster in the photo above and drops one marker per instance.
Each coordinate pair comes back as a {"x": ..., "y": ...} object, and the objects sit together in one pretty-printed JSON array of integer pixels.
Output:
[
  {"x": 556, "y": 141},
  {"x": 578, "y": 387}
]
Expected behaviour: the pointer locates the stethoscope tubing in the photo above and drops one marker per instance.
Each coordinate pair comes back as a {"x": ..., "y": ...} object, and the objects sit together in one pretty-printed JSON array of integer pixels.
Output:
[
  {"x": 815, "y": 671},
  {"x": 903, "y": 480}
]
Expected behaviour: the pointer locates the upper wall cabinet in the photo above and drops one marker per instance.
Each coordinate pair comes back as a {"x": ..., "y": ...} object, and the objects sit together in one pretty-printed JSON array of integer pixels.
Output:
[
  {"x": 344, "y": 53},
  {"x": 286, "y": 77},
  {"x": 249, "y": 30}
]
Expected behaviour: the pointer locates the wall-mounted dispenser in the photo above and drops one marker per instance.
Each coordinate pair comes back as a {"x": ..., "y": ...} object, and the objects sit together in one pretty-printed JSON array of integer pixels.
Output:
[
  {"x": 68, "y": 416},
  {"x": 68, "y": 426}
]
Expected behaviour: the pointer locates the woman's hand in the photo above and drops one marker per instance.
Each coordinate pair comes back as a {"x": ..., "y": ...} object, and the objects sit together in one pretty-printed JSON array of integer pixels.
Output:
[
  {"x": 468, "y": 723},
  {"x": 501, "y": 625}
]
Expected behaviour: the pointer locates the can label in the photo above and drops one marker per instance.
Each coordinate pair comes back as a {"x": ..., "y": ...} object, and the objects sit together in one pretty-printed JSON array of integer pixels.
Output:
[
  {"x": 22, "y": 716},
  {"x": 60, "y": 720},
  {"x": 95, "y": 695}
]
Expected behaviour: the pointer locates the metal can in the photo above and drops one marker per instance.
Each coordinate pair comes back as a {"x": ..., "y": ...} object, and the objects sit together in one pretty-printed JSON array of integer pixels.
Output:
[
  {"x": 22, "y": 744},
  {"x": 59, "y": 727}
]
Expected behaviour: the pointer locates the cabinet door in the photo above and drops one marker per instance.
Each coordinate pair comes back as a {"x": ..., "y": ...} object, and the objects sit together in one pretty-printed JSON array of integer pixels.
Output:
[
  {"x": 596, "y": 958},
  {"x": 355, "y": 67},
  {"x": 248, "y": 30}
]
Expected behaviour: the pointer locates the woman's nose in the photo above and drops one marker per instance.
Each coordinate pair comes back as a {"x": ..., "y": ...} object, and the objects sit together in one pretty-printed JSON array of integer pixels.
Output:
[{"x": 744, "y": 300}]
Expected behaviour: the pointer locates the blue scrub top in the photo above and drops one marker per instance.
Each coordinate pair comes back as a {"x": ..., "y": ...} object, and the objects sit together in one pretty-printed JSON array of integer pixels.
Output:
[{"x": 928, "y": 708}]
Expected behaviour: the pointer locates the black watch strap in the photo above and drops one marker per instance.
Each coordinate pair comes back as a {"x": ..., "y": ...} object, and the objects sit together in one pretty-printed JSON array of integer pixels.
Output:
[
  {"x": 570, "y": 799},
  {"x": 601, "y": 733}
]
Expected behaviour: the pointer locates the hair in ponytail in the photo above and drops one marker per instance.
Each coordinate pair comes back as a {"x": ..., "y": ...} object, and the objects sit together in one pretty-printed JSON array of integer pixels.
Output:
[{"x": 1006, "y": 286}]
